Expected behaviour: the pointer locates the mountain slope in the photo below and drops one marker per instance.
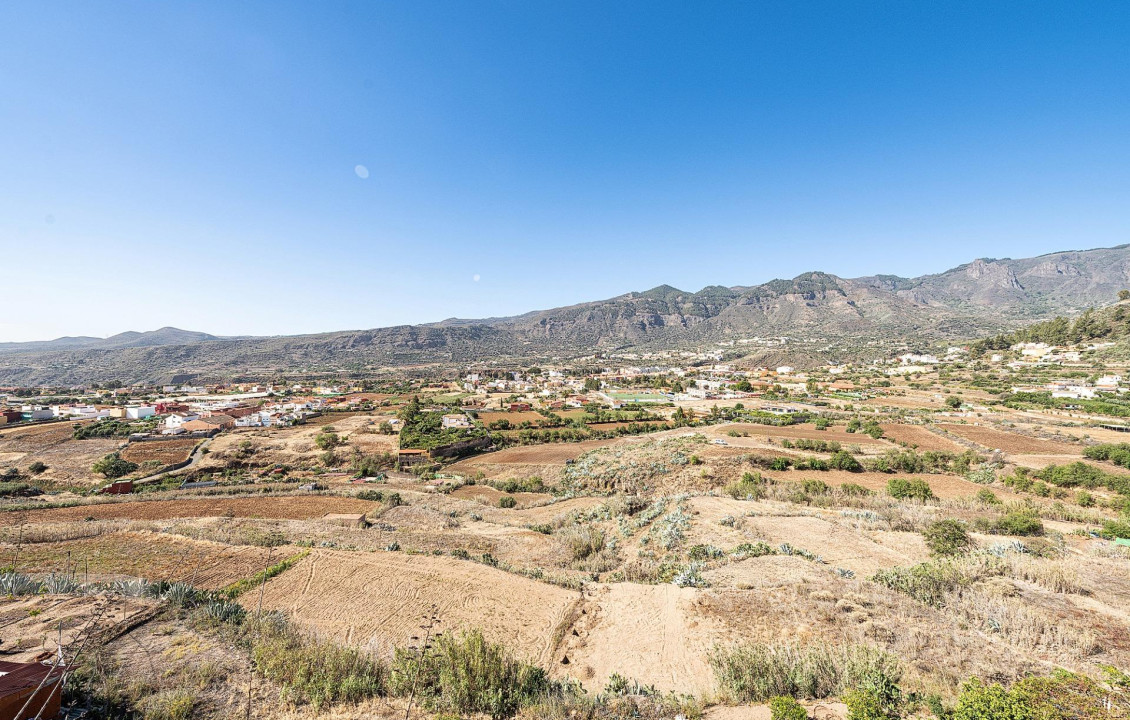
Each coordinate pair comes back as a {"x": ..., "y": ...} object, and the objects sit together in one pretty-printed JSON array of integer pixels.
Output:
[{"x": 980, "y": 298}]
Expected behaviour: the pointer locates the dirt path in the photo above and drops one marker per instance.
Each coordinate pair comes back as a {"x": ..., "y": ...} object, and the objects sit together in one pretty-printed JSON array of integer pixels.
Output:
[{"x": 649, "y": 633}]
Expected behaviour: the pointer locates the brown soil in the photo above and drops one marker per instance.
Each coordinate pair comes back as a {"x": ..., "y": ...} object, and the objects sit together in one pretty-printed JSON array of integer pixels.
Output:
[
  {"x": 379, "y": 600},
  {"x": 165, "y": 452},
  {"x": 296, "y": 507},
  {"x": 919, "y": 438},
  {"x": 68, "y": 460},
  {"x": 807, "y": 431},
  {"x": 1011, "y": 442},
  {"x": 152, "y": 556}
]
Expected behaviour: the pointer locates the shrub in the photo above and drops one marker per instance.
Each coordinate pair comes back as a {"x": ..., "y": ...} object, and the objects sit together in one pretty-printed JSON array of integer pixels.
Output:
[
  {"x": 904, "y": 489},
  {"x": 36, "y": 468},
  {"x": 988, "y": 497},
  {"x": 112, "y": 466},
  {"x": 843, "y": 460},
  {"x": 465, "y": 674},
  {"x": 750, "y": 487},
  {"x": 507, "y": 501},
  {"x": 816, "y": 487},
  {"x": 584, "y": 542},
  {"x": 1116, "y": 529},
  {"x": 1019, "y": 522},
  {"x": 947, "y": 537},
  {"x": 752, "y": 550},
  {"x": 690, "y": 576},
  {"x": 757, "y": 672},
  {"x": 328, "y": 440},
  {"x": 17, "y": 489},
  {"x": 372, "y": 465},
  {"x": 313, "y": 670},
  {"x": 928, "y": 582},
  {"x": 854, "y": 490},
  {"x": 168, "y": 705},
  {"x": 783, "y": 707}
]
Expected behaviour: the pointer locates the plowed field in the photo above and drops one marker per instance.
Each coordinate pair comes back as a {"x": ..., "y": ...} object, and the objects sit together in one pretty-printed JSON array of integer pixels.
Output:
[
  {"x": 1010, "y": 442},
  {"x": 378, "y": 600},
  {"x": 289, "y": 508}
]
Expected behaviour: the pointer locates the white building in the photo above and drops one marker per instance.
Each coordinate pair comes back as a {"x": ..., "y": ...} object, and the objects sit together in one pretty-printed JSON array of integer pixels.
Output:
[
  {"x": 456, "y": 420},
  {"x": 140, "y": 412},
  {"x": 175, "y": 420}
]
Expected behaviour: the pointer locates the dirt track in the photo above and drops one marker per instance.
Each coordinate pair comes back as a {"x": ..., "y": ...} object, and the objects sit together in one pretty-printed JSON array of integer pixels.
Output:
[{"x": 650, "y": 633}]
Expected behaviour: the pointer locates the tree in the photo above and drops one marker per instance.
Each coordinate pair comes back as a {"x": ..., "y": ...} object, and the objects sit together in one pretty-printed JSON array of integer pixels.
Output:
[
  {"x": 1124, "y": 295},
  {"x": 113, "y": 466},
  {"x": 328, "y": 440},
  {"x": 904, "y": 489},
  {"x": 953, "y": 401}
]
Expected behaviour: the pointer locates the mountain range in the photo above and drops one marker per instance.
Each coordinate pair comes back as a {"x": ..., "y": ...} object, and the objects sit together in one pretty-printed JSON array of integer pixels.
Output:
[{"x": 826, "y": 315}]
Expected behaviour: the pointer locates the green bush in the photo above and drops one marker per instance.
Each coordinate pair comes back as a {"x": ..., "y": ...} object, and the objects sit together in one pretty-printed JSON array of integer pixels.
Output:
[
  {"x": 928, "y": 582},
  {"x": 988, "y": 497},
  {"x": 36, "y": 468},
  {"x": 757, "y": 672},
  {"x": 313, "y": 670},
  {"x": 786, "y": 708},
  {"x": 816, "y": 487},
  {"x": 907, "y": 489},
  {"x": 1019, "y": 522},
  {"x": 843, "y": 460},
  {"x": 328, "y": 440},
  {"x": 507, "y": 501},
  {"x": 1116, "y": 529},
  {"x": 947, "y": 537},
  {"x": 112, "y": 466},
  {"x": 854, "y": 490},
  {"x": 465, "y": 674},
  {"x": 750, "y": 487}
]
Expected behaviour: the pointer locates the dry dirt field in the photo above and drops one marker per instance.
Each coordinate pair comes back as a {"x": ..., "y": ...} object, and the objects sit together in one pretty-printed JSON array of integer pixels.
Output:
[
  {"x": 295, "y": 446},
  {"x": 295, "y": 507},
  {"x": 807, "y": 431},
  {"x": 32, "y": 624},
  {"x": 531, "y": 454},
  {"x": 154, "y": 556},
  {"x": 378, "y": 600},
  {"x": 1010, "y": 442},
  {"x": 68, "y": 460},
  {"x": 165, "y": 452},
  {"x": 919, "y": 437}
]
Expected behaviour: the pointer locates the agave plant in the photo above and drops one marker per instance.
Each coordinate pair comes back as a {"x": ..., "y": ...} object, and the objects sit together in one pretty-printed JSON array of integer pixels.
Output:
[
  {"x": 130, "y": 588},
  {"x": 61, "y": 585},
  {"x": 179, "y": 593},
  {"x": 13, "y": 583},
  {"x": 225, "y": 612}
]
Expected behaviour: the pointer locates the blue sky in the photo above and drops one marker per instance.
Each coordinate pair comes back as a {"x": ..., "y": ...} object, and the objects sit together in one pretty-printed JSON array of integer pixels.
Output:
[{"x": 196, "y": 164}]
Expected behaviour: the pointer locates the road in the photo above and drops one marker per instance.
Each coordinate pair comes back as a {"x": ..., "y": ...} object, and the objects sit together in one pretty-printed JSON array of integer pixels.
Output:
[{"x": 197, "y": 453}]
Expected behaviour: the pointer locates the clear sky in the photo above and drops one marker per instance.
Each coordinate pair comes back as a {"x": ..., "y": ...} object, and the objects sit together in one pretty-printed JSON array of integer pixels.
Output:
[{"x": 274, "y": 167}]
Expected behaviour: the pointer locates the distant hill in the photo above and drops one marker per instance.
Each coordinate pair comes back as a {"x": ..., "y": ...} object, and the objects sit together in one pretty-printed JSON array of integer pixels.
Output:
[
  {"x": 977, "y": 299},
  {"x": 153, "y": 338}
]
